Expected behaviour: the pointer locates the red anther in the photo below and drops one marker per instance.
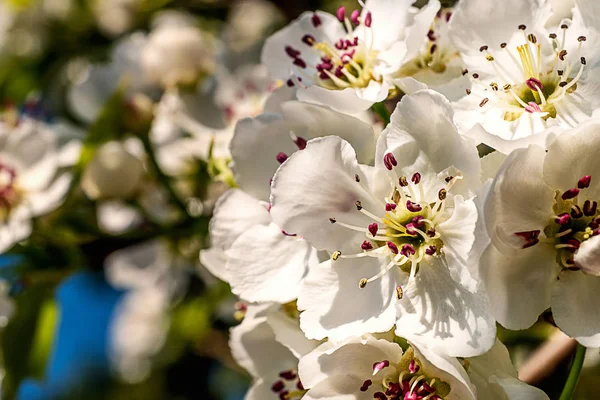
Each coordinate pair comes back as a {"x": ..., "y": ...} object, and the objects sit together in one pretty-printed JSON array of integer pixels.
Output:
[
  {"x": 584, "y": 182},
  {"x": 390, "y": 207},
  {"x": 366, "y": 245},
  {"x": 393, "y": 248},
  {"x": 373, "y": 228},
  {"x": 570, "y": 194}
]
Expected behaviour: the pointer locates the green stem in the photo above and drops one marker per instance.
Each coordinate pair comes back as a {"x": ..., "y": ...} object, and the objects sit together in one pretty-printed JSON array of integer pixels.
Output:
[
  {"x": 571, "y": 384},
  {"x": 161, "y": 176},
  {"x": 381, "y": 110}
]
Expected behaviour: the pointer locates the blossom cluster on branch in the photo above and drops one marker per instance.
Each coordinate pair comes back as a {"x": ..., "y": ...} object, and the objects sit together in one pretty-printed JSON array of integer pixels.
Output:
[{"x": 380, "y": 187}]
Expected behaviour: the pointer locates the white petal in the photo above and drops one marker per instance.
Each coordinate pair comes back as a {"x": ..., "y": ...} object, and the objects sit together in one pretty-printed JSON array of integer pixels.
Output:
[
  {"x": 421, "y": 23},
  {"x": 235, "y": 212},
  {"x": 448, "y": 369},
  {"x": 575, "y": 304},
  {"x": 356, "y": 355},
  {"x": 572, "y": 156},
  {"x": 587, "y": 256},
  {"x": 444, "y": 316},
  {"x": 317, "y": 184},
  {"x": 266, "y": 265},
  {"x": 518, "y": 202},
  {"x": 335, "y": 307},
  {"x": 514, "y": 389},
  {"x": 254, "y": 347},
  {"x": 287, "y": 332},
  {"x": 13, "y": 231},
  {"x": 340, "y": 387},
  {"x": 490, "y": 165},
  {"x": 590, "y": 12},
  {"x": 322, "y": 121},
  {"x": 266, "y": 136},
  {"x": 273, "y": 52},
  {"x": 43, "y": 202},
  {"x": 390, "y": 19},
  {"x": 349, "y": 100},
  {"x": 214, "y": 260},
  {"x": 458, "y": 235},
  {"x": 519, "y": 285},
  {"x": 422, "y": 123}
]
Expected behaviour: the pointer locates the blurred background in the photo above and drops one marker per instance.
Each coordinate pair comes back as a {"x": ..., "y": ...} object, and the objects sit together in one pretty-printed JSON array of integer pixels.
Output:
[{"x": 104, "y": 295}]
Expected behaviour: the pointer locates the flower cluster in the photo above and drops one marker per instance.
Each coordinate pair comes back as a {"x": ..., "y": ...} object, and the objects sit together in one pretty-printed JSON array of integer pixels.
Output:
[
  {"x": 375, "y": 262},
  {"x": 381, "y": 187}
]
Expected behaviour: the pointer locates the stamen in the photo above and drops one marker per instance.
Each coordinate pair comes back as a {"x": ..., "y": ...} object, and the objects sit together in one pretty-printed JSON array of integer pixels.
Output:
[
  {"x": 570, "y": 194},
  {"x": 584, "y": 182},
  {"x": 281, "y": 157},
  {"x": 389, "y": 161}
]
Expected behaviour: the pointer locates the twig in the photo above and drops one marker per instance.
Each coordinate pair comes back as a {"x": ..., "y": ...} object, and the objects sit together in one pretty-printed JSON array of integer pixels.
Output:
[{"x": 545, "y": 359}]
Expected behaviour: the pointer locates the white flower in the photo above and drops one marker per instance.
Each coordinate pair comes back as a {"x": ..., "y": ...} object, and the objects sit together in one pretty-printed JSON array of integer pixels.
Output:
[
  {"x": 253, "y": 254},
  {"x": 399, "y": 233},
  {"x": 366, "y": 368},
  {"x": 268, "y": 344},
  {"x": 345, "y": 61},
  {"x": 544, "y": 228},
  {"x": 30, "y": 182},
  {"x": 527, "y": 79},
  {"x": 115, "y": 171},
  {"x": 177, "y": 53},
  {"x": 140, "y": 326},
  {"x": 248, "y": 22},
  {"x": 437, "y": 65}
]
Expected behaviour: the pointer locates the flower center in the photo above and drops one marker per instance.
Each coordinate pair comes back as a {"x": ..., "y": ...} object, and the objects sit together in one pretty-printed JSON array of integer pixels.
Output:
[
  {"x": 346, "y": 62},
  {"x": 9, "y": 195},
  {"x": 541, "y": 82},
  {"x": 575, "y": 220},
  {"x": 437, "y": 52},
  {"x": 288, "y": 386},
  {"x": 406, "y": 381},
  {"x": 406, "y": 233}
]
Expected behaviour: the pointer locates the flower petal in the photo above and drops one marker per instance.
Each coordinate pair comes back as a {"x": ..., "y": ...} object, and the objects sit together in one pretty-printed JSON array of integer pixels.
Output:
[
  {"x": 575, "y": 304},
  {"x": 442, "y": 315},
  {"x": 335, "y": 307},
  {"x": 519, "y": 285},
  {"x": 266, "y": 265},
  {"x": 349, "y": 100},
  {"x": 317, "y": 184},
  {"x": 518, "y": 202}
]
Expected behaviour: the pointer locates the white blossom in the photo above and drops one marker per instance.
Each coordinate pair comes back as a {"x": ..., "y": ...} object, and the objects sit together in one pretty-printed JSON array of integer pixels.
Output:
[
  {"x": 399, "y": 233},
  {"x": 543, "y": 224}
]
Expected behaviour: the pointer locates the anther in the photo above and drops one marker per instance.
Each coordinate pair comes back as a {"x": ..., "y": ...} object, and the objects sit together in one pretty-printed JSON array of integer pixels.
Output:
[
  {"x": 502, "y": 45},
  {"x": 366, "y": 245},
  {"x": 300, "y": 142},
  {"x": 316, "y": 20},
  {"x": 291, "y": 52},
  {"x": 336, "y": 254},
  {"x": 442, "y": 194},
  {"x": 563, "y": 219},
  {"x": 563, "y": 84},
  {"x": 534, "y": 84},
  {"x": 494, "y": 86},
  {"x": 277, "y": 386},
  {"x": 299, "y": 62},
  {"x": 483, "y": 48},
  {"x": 475, "y": 75},
  {"x": 570, "y": 194},
  {"x": 465, "y": 71},
  {"x": 522, "y": 27},
  {"x": 413, "y": 207},
  {"x": 365, "y": 385},
  {"x": 416, "y": 178},
  {"x": 332, "y": 220},
  {"x": 430, "y": 250},
  {"x": 584, "y": 182},
  {"x": 468, "y": 91},
  {"x": 389, "y": 161},
  {"x": 560, "y": 72},
  {"x": 582, "y": 60},
  {"x": 356, "y": 178},
  {"x": 399, "y": 292},
  {"x": 407, "y": 250},
  {"x": 433, "y": 49},
  {"x": 413, "y": 367},
  {"x": 531, "y": 237},
  {"x": 341, "y": 14},
  {"x": 373, "y": 228},
  {"x": 564, "y": 26},
  {"x": 378, "y": 366},
  {"x": 507, "y": 87},
  {"x": 309, "y": 40},
  {"x": 368, "y": 20},
  {"x": 576, "y": 212},
  {"x": 402, "y": 181},
  {"x": 281, "y": 157},
  {"x": 390, "y": 207},
  {"x": 589, "y": 208},
  {"x": 562, "y": 54},
  {"x": 288, "y": 375},
  {"x": 362, "y": 283},
  {"x": 531, "y": 37},
  {"x": 581, "y": 39},
  {"x": 552, "y": 36},
  {"x": 484, "y": 102},
  {"x": 393, "y": 248},
  {"x": 358, "y": 205},
  {"x": 354, "y": 17}
]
